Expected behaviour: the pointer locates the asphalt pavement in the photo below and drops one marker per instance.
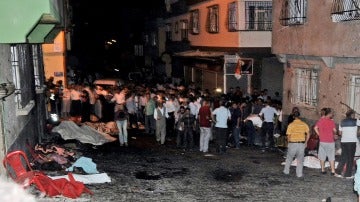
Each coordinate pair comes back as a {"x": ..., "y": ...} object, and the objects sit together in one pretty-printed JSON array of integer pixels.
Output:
[{"x": 146, "y": 171}]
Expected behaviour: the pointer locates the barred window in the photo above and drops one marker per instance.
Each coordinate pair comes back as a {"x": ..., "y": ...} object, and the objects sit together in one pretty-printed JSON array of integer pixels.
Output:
[
  {"x": 233, "y": 17},
  {"x": 306, "y": 87},
  {"x": 213, "y": 19},
  {"x": 194, "y": 21},
  {"x": 345, "y": 10},
  {"x": 36, "y": 57},
  {"x": 293, "y": 12},
  {"x": 258, "y": 15},
  {"x": 353, "y": 94},
  {"x": 22, "y": 67}
]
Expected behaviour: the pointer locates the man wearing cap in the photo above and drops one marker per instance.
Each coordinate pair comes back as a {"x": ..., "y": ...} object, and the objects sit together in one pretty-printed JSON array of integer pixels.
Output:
[{"x": 298, "y": 135}]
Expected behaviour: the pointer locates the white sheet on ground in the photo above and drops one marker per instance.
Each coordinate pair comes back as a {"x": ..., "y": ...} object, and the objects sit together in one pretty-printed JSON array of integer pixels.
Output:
[
  {"x": 87, "y": 179},
  {"x": 311, "y": 162},
  {"x": 85, "y": 134}
]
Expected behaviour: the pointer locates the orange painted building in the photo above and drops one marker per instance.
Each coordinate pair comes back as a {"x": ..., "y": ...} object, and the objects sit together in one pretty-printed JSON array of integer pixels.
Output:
[{"x": 54, "y": 58}]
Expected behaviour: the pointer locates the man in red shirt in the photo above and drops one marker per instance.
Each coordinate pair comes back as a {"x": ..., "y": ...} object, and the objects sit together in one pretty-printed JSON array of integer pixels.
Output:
[
  {"x": 205, "y": 125},
  {"x": 326, "y": 130}
]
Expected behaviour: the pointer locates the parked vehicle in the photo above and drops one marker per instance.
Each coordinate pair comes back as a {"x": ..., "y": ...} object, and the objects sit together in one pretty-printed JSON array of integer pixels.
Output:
[
  {"x": 104, "y": 86},
  {"x": 111, "y": 82}
]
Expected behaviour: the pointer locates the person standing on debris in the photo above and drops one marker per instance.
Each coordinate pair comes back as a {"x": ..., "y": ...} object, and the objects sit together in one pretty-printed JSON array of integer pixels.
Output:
[
  {"x": 348, "y": 128},
  {"x": 326, "y": 130},
  {"x": 205, "y": 126},
  {"x": 160, "y": 115},
  {"x": 297, "y": 135},
  {"x": 268, "y": 114},
  {"x": 220, "y": 116}
]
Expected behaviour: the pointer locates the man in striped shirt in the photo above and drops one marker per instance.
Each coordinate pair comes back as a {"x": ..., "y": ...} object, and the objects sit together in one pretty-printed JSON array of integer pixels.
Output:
[{"x": 298, "y": 136}]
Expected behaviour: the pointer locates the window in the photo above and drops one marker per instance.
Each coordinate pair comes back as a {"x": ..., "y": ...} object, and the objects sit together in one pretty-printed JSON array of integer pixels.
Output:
[
  {"x": 345, "y": 10},
  {"x": 168, "y": 32},
  {"x": 138, "y": 50},
  {"x": 176, "y": 27},
  {"x": 184, "y": 29},
  {"x": 36, "y": 57},
  {"x": 153, "y": 39},
  {"x": 213, "y": 19},
  {"x": 194, "y": 20},
  {"x": 306, "y": 86},
  {"x": 15, "y": 65},
  {"x": 23, "y": 74},
  {"x": 233, "y": 17},
  {"x": 353, "y": 94},
  {"x": 258, "y": 15},
  {"x": 293, "y": 12}
]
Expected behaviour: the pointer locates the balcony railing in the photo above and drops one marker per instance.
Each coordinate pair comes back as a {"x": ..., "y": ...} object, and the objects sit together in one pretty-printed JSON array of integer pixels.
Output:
[
  {"x": 258, "y": 15},
  {"x": 293, "y": 12},
  {"x": 345, "y": 10}
]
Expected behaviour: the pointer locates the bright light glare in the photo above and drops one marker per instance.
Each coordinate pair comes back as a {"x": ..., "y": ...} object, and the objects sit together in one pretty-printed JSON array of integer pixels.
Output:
[
  {"x": 113, "y": 40},
  {"x": 218, "y": 90},
  {"x": 117, "y": 70}
]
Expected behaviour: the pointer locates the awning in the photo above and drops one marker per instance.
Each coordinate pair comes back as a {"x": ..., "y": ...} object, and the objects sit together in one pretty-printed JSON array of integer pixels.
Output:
[
  {"x": 24, "y": 21},
  {"x": 202, "y": 55}
]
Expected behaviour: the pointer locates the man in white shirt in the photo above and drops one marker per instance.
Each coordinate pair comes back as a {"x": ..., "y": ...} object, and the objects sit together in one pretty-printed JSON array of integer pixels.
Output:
[
  {"x": 220, "y": 116},
  {"x": 268, "y": 114},
  {"x": 160, "y": 115}
]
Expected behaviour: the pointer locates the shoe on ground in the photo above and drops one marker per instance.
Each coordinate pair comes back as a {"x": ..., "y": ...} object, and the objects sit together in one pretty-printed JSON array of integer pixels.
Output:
[
  {"x": 337, "y": 175},
  {"x": 323, "y": 172},
  {"x": 349, "y": 178}
]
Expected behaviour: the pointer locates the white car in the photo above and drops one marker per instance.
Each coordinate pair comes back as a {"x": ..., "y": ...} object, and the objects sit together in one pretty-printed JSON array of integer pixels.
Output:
[{"x": 102, "y": 86}]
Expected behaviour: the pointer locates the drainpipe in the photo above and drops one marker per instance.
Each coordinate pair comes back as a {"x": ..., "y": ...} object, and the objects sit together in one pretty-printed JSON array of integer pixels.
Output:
[{"x": 2, "y": 135}]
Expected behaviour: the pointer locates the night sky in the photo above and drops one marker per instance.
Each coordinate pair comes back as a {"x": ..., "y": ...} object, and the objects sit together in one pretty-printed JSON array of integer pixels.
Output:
[{"x": 95, "y": 22}]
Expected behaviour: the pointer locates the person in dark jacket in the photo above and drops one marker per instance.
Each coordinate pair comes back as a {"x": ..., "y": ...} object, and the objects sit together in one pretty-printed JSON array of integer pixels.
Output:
[{"x": 188, "y": 121}]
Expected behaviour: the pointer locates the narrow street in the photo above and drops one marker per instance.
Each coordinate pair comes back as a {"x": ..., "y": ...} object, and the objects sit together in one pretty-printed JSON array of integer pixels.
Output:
[{"x": 145, "y": 171}]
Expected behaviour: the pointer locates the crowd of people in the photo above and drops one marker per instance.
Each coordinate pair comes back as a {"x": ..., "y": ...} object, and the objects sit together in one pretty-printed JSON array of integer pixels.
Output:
[
  {"x": 298, "y": 135},
  {"x": 194, "y": 117},
  {"x": 190, "y": 115}
]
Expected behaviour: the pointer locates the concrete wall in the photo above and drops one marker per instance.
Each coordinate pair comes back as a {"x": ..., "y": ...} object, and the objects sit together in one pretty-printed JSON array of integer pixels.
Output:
[
  {"x": 333, "y": 85},
  {"x": 330, "y": 47},
  {"x": 17, "y": 129},
  {"x": 318, "y": 36}
]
